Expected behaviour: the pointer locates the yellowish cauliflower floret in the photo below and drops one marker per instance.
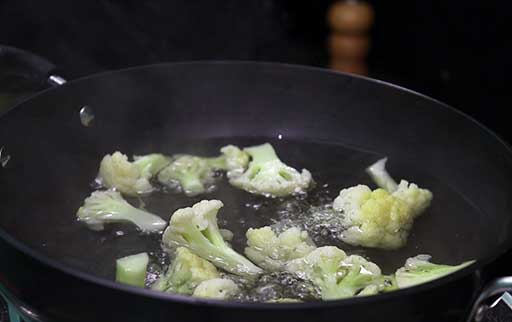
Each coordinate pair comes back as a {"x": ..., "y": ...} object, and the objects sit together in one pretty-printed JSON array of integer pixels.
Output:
[
  {"x": 418, "y": 199},
  {"x": 217, "y": 288},
  {"x": 185, "y": 272},
  {"x": 271, "y": 251},
  {"x": 373, "y": 218},
  {"x": 269, "y": 176},
  {"x": 130, "y": 178}
]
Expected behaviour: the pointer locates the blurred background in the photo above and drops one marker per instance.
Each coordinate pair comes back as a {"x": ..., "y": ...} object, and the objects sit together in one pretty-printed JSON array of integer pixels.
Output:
[{"x": 455, "y": 51}]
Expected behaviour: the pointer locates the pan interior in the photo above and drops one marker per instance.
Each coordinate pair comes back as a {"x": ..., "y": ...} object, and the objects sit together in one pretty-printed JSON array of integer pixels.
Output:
[
  {"x": 199, "y": 107},
  {"x": 438, "y": 232}
]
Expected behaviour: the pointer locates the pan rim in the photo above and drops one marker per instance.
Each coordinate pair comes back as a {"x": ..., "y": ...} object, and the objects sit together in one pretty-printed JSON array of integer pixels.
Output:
[{"x": 69, "y": 270}]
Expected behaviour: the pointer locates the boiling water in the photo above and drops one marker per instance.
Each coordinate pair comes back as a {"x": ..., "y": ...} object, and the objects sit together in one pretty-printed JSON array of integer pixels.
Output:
[{"x": 437, "y": 232}]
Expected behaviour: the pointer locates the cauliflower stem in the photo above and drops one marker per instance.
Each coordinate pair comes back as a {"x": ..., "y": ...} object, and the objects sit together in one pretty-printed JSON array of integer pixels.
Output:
[
  {"x": 131, "y": 270},
  {"x": 419, "y": 269},
  {"x": 108, "y": 206}
]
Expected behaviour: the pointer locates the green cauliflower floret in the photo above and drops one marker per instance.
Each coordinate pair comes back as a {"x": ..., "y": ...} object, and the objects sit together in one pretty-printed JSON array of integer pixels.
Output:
[
  {"x": 130, "y": 178},
  {"x": 373, "y": 218},
  {"x": 217, "y": 288},
  {"x": 271, "y": 251},
  {"x": 196, "y": 228},
  {"x": 186, "y": 271},
  {"x": 267, "y": 175},
  {"x": 418, "y": 199},
  {"x": 194, "y": 174},
  {"x": 419, "y": 269},
  {"x": 334, "y": 273},
  {"x": 109, "y": 206}
]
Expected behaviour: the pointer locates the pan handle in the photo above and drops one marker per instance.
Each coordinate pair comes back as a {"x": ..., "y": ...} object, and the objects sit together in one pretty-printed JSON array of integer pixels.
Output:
[
  {"x": 493, "y": 293},
  {"x": 29, "y": 66}
]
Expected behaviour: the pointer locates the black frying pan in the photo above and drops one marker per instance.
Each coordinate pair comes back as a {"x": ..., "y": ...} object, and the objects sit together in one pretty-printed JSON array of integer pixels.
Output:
[{"x": 65, "y": 271}]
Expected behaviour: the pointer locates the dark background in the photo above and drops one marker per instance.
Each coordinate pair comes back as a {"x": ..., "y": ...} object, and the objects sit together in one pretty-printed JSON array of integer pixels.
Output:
[{"x": 456, "y": 51}]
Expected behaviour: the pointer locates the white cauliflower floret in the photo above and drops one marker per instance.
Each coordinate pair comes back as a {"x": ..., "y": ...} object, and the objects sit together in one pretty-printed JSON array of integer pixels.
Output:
[
  {"x": 130, "y": 178},
  {"x": 373, "y": 218},
  {"x": 196, "y": 228},
  {"x": 272, "y": 252},
  {"x": 103, "y": 207},
  {"x": 217, "y": 288},
  {"x": 336, "y": 275},
  {"x": 269, "y": 176},
  {"x": 186, "y": 271},
  {"x": 418, "y": 199}
]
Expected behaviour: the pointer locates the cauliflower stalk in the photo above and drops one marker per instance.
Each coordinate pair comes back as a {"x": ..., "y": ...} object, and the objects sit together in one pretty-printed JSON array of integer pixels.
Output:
[
  {"x": 269, "y": 176},
  {"x": 217, "y": 288},
  {"x": 131, "y": 270},
  {"x": 193, "y": 174},
  {"x": 419, "y": 269},
  {"x": 108, "y": 206},
  {"x": 186, "y": 271},
  {"x": 196, "y": 228},
  {"x": 334, "y": 273},
  {"x": 130, "y": 178},
  {"x": 272, "y": 252}
]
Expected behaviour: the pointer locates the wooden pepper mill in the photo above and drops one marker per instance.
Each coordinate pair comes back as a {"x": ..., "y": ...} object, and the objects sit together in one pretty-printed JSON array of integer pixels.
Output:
[{"x": 349, "y": 42}]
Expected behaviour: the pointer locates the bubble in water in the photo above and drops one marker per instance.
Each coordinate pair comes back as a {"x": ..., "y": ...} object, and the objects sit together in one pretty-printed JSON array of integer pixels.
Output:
[{"x": 278, "y": 285}]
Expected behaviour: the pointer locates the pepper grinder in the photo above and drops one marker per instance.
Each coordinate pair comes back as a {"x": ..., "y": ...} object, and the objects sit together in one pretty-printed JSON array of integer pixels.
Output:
[{"x": 348, "y": 44}]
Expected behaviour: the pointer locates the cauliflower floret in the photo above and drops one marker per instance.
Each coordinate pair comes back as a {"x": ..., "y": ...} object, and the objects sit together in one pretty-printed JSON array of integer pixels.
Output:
[
  {"x": 196, "y": 228},
  {"x": 271, "y": 251},
  {"x": 236, "y": 160},
  {"x": 418, "y": 199},
  {"x": 269, "y": 176},
  {"x": 130, "y": 178},
  {"x": 373, "y": 218},
  {"x": 108, "y": 206},
  {"x": 185, "y": 273},
  {"x": 217, "y": 288},
  {"x": 190, "y": 173},
  {"x": 336, "y": 275}
]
